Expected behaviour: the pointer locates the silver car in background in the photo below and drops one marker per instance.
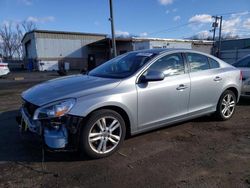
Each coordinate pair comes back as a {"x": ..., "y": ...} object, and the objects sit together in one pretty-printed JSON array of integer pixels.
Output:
[
  {"x": 130, "y": 94},
  {"x": 244, "y": 65}
]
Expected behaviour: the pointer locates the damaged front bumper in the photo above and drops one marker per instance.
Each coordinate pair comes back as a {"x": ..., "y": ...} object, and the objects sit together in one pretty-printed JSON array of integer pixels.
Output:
[{"x": 57, "y": 134}]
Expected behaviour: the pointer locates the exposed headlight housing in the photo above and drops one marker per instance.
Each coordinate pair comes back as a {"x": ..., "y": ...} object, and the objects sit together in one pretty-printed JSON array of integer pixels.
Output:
[{"x": 54, "y": 110}]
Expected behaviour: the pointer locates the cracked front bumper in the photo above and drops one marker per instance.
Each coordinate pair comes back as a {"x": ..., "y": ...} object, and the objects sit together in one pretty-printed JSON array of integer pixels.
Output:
[{"x": 61, "y": 134}]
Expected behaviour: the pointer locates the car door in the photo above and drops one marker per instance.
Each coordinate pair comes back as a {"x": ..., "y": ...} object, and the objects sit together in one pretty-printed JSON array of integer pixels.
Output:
[
  {"x": 206, "y": 82},
  {"x": 165, "y": 100}
]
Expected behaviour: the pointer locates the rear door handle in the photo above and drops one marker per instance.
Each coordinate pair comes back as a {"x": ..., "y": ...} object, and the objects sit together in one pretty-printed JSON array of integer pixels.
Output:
[
  {"x": 217, "y": 78},
  {"x": 181, "y": 87}
]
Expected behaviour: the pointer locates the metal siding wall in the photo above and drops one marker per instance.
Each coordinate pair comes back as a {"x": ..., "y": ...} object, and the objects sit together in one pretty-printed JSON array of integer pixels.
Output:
[
  {"x": 202, "y": 48},
  {"x": 169, "y": 44},
  {"x": 58, "y": 48},
  {"x": 231, "y": 56},
  {"x": 141, "y": 45},
  {"x": 235, "y": 44},
  {"x": 62, "y": 45}
]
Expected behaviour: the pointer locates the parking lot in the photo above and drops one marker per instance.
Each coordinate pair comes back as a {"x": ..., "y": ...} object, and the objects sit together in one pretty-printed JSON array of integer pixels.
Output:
[{"x": 198, "y": 153}]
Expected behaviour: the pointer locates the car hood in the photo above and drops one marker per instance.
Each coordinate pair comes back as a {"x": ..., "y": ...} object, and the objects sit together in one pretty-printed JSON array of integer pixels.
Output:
[{"x": 67, "y": 87}]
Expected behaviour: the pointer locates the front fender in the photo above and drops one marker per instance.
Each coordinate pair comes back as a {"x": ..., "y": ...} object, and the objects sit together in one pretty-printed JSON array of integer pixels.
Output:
[{"x": 85, "y": 105}]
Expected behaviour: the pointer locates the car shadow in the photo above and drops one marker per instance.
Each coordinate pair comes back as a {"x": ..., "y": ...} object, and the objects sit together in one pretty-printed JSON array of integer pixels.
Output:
[
  {"x": 244, "y": 101},
  {"x": 17, "y": 148},
  {"x": 14, "y": 147}
]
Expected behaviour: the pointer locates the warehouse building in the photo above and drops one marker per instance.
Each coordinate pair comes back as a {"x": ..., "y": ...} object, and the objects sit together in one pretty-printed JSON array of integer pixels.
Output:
[
  {"x": 150, "y": 43},
  {"x": 102, "y": 49},
  {"x": 233, "y": 44},
  {"x": 46, "y": 49},
  {"x": 233, "y": 49}
]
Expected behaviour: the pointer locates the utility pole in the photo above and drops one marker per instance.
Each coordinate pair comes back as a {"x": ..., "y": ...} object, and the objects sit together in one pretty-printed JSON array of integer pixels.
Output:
[
  {"x": 219, "y": 48},
  {"x": 214, "y": 25},
  {"x": 111, "y": 19}
]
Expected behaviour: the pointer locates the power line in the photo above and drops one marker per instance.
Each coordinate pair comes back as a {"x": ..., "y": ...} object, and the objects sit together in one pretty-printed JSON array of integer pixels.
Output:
[
  {"x": 240, "y": 12},
  {"x": 240, "y": 30},
  {"x": 173, "y": 28},
  {"x": 170, "y": 29}
]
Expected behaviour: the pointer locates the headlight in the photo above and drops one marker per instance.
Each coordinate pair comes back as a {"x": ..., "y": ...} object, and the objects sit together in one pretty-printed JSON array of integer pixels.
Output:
[{"x": 53, "y": 110}]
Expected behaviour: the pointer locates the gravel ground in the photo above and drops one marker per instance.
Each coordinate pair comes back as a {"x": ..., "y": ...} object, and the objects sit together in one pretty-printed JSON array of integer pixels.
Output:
[{"x": 198, "y": 153}]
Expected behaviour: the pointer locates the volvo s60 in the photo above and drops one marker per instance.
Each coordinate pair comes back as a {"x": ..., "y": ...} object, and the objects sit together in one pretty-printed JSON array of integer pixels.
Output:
[{"x": 130, "y": 94}]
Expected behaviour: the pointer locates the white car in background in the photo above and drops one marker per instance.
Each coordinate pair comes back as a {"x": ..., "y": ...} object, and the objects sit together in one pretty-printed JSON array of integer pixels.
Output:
[
  {"x": 4, "y": 69},
  {"x": 244, "y": 65}
]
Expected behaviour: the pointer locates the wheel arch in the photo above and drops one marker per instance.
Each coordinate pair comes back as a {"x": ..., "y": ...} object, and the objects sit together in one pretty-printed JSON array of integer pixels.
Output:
[
  {"x": 234, "y": 90},
  {"x": 120, "y": 111}
]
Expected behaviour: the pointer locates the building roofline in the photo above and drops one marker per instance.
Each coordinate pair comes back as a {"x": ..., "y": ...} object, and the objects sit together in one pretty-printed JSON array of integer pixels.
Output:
[
  {"x": 234, "y": 39},
  {"x": 157, "y": 39},
  {"x": 108, "y": 39},
  {"x": 170, "y": 40},
  {"x": 62, "y": 32}
]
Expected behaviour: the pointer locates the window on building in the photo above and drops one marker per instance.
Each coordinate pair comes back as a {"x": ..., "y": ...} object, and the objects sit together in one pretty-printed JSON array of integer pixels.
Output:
[
  {"x": 170, "y": 65},
  {"x": 197, "y": 62}
]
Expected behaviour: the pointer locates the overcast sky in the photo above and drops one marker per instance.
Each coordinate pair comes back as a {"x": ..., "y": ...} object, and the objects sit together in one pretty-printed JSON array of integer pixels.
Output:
[{"x": 148, "y": 18}]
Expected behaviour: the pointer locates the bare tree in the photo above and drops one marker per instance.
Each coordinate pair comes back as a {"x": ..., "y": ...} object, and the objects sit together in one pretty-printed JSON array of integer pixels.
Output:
[
  {"x": 28, "y": 26},
  {"x": 11, "y": 36},
  {"x": 7, "y": 36}
]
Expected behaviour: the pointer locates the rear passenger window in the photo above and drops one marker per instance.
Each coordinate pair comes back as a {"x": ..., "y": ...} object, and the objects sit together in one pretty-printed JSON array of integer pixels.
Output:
[
  {"x": 197, "y": 62},
  {"x": 213, "y": 63}
]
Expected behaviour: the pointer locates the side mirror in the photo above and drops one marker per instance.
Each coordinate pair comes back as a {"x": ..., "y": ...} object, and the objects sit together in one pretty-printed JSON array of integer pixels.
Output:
[{"x": 152, "y": 76}]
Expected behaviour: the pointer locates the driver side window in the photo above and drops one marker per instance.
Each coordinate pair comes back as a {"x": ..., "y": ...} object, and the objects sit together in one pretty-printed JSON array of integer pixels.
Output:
[{"x": 169, "y": 65}]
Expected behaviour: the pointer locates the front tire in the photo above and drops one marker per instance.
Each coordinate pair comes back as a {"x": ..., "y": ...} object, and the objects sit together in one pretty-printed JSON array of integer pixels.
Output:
[
  {"x": 226, "y": 105},
  {"x": 103, "y": 133}
]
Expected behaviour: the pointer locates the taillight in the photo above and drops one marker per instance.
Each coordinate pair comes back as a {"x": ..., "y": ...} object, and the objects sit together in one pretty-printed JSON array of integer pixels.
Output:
[
  {"x": 241, "y": 75},
  {"x": 3, "y": 65}
]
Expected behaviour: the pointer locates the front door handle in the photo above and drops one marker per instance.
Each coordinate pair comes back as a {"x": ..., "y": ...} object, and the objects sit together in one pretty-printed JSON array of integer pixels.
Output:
[
  {"x": 181, "y": 87},
  {"x": 217, "y": 78}
]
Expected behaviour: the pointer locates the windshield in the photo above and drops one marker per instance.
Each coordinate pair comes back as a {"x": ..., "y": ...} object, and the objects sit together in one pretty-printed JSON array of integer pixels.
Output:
[{"x": 122, "y": 66}]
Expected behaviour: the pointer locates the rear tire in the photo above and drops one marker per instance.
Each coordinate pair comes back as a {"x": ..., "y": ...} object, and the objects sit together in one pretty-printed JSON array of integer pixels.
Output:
[
  {"x": 103, "y": 134},
  {"x": 226, "y": 105}
]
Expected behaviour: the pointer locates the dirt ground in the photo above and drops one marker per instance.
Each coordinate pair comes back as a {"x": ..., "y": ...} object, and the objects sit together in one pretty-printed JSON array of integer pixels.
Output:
[{"x": 198, "y": 153}]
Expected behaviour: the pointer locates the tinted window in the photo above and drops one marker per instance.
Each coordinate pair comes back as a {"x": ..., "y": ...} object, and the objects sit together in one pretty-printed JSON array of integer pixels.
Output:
[
  {"x": 197, "y": 62},
  {"x": 122, "y": 66},
  {"x": 213, "y": 63},
  {"x": 170, "y": 65},
  {"x": 245, "y": 62}
]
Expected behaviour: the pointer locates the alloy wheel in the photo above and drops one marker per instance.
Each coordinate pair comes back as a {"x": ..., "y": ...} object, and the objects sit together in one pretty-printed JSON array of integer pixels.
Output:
[
  {"x": 105, "y": 135},
  {"x": 227, "y": 105}
]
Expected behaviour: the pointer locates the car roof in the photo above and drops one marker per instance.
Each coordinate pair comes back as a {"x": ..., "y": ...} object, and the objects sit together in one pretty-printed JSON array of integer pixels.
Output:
[
  {"x": 163, "y": 50},
  {"x": 159, "y": 51}
]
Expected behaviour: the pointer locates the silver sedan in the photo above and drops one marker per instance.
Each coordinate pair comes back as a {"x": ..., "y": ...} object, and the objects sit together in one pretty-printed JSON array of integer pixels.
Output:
[
  {"x": 244, "y": 65},
  {"x": 130, "y": 94}
]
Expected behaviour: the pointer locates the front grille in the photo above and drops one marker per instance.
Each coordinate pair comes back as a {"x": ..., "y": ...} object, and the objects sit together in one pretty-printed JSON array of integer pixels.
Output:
[{"x": 30, "y": 108}]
